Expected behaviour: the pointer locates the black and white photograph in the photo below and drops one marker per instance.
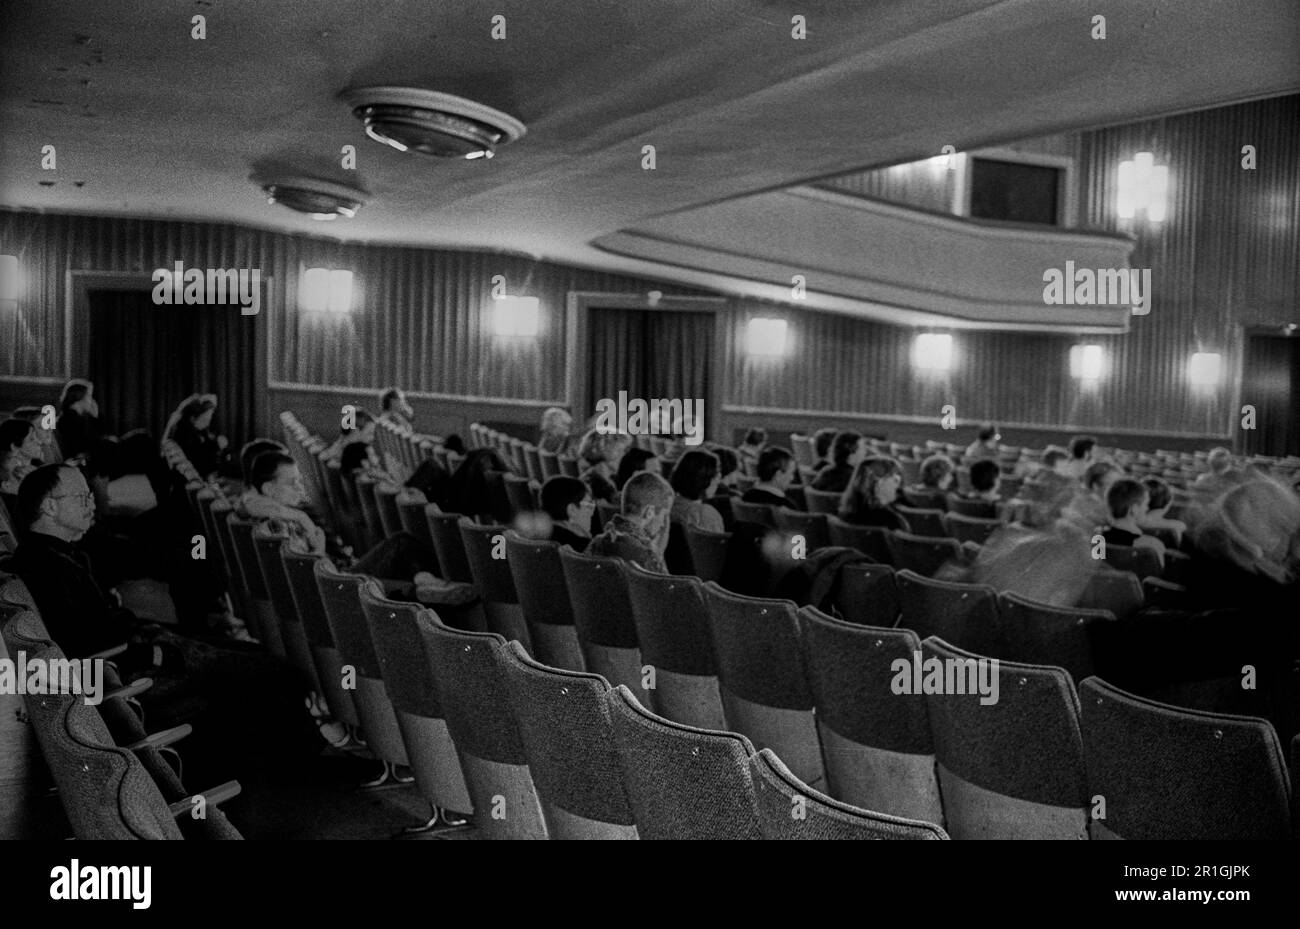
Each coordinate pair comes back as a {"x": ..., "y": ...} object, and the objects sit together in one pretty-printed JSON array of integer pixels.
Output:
[{"x": 460, "y": 420}]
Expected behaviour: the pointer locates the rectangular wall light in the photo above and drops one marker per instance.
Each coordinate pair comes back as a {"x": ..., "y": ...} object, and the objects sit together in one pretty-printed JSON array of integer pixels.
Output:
[
  {"x": 516, "y": 316},
  {"x": 8, "y": 277},
  {"x": 1086, "y": 362},
  {"x": 325, "y": 291},
  {"x": 932, "y": 351},
  {"x": 765, "y": 337},
  {"x": 1205, "y": 369}
]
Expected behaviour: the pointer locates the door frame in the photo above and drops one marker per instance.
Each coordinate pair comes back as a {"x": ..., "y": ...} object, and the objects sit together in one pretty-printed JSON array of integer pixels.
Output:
[{"x": 578, "y": 341}]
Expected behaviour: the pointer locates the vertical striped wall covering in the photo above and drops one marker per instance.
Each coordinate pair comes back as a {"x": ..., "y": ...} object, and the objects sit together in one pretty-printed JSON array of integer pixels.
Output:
[{"x": 1227, "y": 257}]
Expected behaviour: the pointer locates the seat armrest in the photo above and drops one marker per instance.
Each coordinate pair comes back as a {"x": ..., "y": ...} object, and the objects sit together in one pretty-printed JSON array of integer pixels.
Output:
[
  {"x": 133, "y": 689},
  {"x": 216, "y": 795},
  {"x": 162, "y": 739}
]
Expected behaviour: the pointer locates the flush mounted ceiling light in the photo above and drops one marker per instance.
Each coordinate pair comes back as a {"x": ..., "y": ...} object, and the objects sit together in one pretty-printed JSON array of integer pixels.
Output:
[
  {"x": 319, "y": 199},
  {"x": 442, "y": 125}
]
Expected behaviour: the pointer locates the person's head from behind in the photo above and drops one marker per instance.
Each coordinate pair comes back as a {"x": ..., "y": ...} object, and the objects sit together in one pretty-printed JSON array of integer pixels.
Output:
[
  {"x": 603, "y": 448},
  {"x": 275, "y": 475},
  {"x": 985, "y": 475},
  {"x": 55, "y": 500},
  {"x": 393, "y": 400},
  {"x": 364, "y": 428},
  {"x": 936, "y": 473},
  {"x": 822, "y": 440},
  {"x": 634, "y": 461},
  {"x": 1127, "y": 499},
  {"x": 755, "y": 438},
  {"x": 728, "y": 465},
  {"x": 196, "y": 411},
  {"x": 988, "y": 435},
  {"x": 1160, "y": 495},
  {"x": 248, "y": 454},
  {"x": 568, "y": 500},
  {"x": 1082, "y": 448},
  {"x": 454, "y": 445},
  {"x": 876, "y": 482},
  {"x": 695, "y": 476},
  {"x": 776, "y": 467},
  {"x": 556, "y": 422},
  {"x": 1056, "y": 459},
  {"x": 20, "y": 436},
  {"x": 1100, "y": 476},
  {"x": 648, "y": 502},
  {"x": 79, "y": 395},
  {"x": 1219, "y": 460},
  {"x": 849, "y": 449}
]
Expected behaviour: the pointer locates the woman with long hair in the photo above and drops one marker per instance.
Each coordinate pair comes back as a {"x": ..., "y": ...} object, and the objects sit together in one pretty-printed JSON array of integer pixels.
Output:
[
  {"x": 869, "y": 500},
  {"x": 190, "y": 427}
]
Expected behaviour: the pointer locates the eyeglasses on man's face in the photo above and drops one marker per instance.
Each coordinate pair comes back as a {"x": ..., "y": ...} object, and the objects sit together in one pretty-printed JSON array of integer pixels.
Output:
[{"x": 85, "y": 497}]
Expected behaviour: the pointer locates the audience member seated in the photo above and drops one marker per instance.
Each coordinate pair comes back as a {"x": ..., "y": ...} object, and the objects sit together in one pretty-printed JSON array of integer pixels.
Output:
[
  {"x": 1088, "y": 509},
  {"x": 394, "y": 409},
  {"x": 728, "y": 469},
  {"x": 634, "y": 461},
  {"x": 353, "y": 448},
  {"x": 45, "y": 434},
  {"x": 238, "y": 698},
  {"x": 775, "y": 470},
  {"x": 937, "y": 475},
  {"x": 12, "y": 472},
  {"x": 190, "y": 428},
  {"x": 822, "y": 441},
  {"x": 23, "y": 439},
  {"x": 598, "y": 456},
  {"x": 556, "y": 431},
  {"x": 848, "y": 450},
  {"x": 1127, "y": 501},
  {"x": 985, "y": 445},
  {"x": 471, "y": 494},
  {"x": 640, "y": 532},
  {"x": 81, "y": 436},
  {"x": 1158, "y": 505},
  {"x": 695, "y": 478},
  {"x": 985, "y": 478},
  {"x": 1220, "y": 477},
  {"x": 570, "y": 505},
  {"x": 872, "y": 494},
  {"x": 749, "y": 450},
  {"x": 429, "y": 483},
  {"x": 276, "y": 494},
  {"x": 1083, "y": 452}
]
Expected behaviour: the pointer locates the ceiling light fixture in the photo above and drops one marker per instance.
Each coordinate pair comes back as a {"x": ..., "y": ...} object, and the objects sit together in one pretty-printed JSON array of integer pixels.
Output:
[
  {"x": 432, "y": 123},
  {"x": 323, "y": 200}
]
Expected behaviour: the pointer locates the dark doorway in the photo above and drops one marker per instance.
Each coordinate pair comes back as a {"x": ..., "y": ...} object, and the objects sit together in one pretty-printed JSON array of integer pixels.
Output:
[
  {"x": 145, "y": 359},
  {"x": 651, "y": 354},
  {"x": 1269, "y": 382}
]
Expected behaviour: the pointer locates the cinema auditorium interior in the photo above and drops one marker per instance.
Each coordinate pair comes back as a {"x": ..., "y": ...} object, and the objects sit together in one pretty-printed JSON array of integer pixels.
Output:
[{"x": 587, "y": 420}]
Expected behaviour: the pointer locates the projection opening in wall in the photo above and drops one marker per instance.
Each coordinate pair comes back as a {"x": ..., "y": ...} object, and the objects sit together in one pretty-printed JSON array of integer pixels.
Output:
[{"x": 765, "y": 337}]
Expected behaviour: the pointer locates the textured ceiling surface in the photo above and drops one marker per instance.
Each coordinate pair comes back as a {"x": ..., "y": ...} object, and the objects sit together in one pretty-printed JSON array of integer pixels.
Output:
[{"x": 148, "y": 121}]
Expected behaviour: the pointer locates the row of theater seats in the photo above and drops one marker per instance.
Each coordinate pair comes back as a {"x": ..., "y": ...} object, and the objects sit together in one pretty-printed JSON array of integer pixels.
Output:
[
  {"x": 716, "y": 661},
  {"x": 115, "y": 780}
]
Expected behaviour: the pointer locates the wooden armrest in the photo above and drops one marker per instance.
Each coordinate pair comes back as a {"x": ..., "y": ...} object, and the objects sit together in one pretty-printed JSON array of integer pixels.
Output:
[
  {"x": 216, "y": 795},
  {"x": 391, "y": 586},
  {"x": 109, "y": 652},
  {"x": 134, "y": 689},
  {"x": 162, "y": 739}
]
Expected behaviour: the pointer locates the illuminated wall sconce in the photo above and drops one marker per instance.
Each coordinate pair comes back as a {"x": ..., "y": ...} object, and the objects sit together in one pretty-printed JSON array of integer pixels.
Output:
[
  {"x": 516, "y": 316},
  {"x": 1143, "y": 186},
  {"x": 325, "y": 291},
  {"x": 932, "y": 351},
  {"x": 1205, "y": 369},
  {"x": 1086, "y": 363},
  {"x": 8, "y": 277},
  {"x": 765, "y": 337}
]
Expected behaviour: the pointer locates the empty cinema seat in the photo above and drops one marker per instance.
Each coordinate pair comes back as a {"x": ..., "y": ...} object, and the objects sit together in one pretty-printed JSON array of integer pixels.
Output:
[
  {"x": 683, "y": 782},
  {"x": 1012, "y": 769},
  {"x": 544, "y": 598},
  {"x": 602, "y": 614},
  {"x": 790, "y": 809},
  {"x": 964, "y": 615}
]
